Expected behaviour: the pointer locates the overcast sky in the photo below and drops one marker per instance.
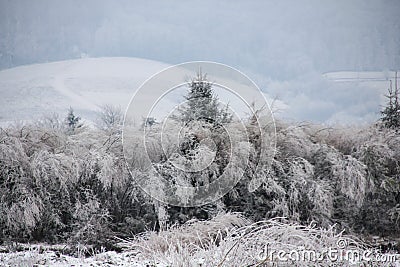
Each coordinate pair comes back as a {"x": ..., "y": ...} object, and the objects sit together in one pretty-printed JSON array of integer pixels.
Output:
[{"x": 285, "y": 46}]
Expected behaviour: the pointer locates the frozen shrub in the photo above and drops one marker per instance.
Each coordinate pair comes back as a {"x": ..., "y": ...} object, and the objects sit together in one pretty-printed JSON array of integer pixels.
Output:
[
  {"x": 229, "y": 240},
  {"x": 110, "y": 118},
  {"x": 45, "y": 175},
  {"x": 293, "y": 141},
  {"x": 90, "y": 222}
]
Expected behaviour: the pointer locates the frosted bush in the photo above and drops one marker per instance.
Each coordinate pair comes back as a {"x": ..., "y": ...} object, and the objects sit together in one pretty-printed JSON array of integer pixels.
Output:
[
  {"x": 228, "y": 240},
  {"x": 293, "y": 141}
]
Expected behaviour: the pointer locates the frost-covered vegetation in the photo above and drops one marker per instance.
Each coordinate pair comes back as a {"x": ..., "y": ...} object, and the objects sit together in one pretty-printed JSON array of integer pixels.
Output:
[
  {"x": 61, "y": 183},
  {"x": 61, "y": 186},
  {"x": 231, "y": 240}
]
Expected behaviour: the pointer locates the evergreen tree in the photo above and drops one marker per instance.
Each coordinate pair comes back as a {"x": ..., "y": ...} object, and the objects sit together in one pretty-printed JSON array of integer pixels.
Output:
[
  {"x": 72, "y": 121},
  {"x": 203, "y": 107},
  {"x": 391, "y": 113},
  {"x": 202, "y": 104}
]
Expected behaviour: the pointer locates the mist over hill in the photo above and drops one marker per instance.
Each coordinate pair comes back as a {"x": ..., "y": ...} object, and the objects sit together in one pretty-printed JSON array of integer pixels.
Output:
[
  {"x": 33, "y": 91},
  {"x": 284, "y": 46},
  {"x": 282, "y": 39}
]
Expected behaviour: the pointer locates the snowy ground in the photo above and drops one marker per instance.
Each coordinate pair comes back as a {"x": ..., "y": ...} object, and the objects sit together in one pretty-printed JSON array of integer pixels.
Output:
[
  {"x": 36, "y": 257},
  {"x": 42, "y": 255},
  {"x": 51, "y": 258}
]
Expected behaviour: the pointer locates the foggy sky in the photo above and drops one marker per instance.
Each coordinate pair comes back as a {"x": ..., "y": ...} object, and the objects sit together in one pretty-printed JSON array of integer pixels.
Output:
[{"x": 288, "y": 44}]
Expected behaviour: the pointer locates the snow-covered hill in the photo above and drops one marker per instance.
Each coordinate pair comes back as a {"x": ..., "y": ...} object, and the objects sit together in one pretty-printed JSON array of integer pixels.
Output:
[
  {"x": 29, "y": 92},
  {"x": 32, "y": 91}
]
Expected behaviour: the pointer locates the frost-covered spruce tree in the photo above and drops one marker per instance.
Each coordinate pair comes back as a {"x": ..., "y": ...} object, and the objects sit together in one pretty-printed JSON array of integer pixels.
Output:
[
  {"x": 391, "y": 113},
  {"x": 203, "y": 139},
  {"x": 202, "y": 103},
  {"x": 202, "y": 110},
  {"x": 72, "y": 121}
]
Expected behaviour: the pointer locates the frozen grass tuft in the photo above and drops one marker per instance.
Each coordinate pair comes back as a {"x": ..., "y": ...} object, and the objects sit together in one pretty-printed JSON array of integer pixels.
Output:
[
  {"x": 231, "y": 240},
  {"x": 192, "y": 236}
]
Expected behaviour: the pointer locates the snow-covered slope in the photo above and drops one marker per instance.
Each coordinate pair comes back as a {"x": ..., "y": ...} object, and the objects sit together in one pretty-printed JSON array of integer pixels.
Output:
[{"x": 29, "y": 92}]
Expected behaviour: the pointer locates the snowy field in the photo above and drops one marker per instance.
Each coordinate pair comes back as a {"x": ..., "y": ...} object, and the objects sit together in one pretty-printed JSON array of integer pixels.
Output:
[
  {"x": 33, "y": 91},
  {"x": 30, "y": 92}
]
